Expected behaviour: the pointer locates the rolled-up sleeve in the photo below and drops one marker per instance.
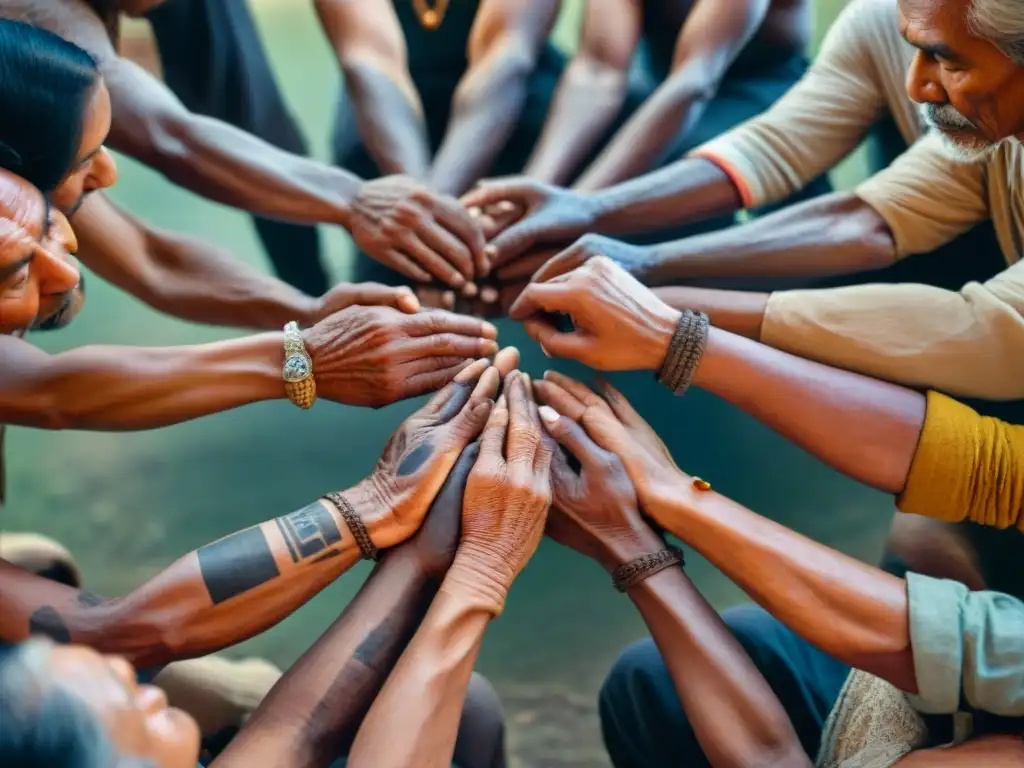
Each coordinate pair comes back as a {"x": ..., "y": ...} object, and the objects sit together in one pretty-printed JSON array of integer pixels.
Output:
[
  {"x": 926, "y": 197},
  {"x": 965, "y": 342},
  {"x": 968, "y": 648},
  {"x": 818, "y": 121}
]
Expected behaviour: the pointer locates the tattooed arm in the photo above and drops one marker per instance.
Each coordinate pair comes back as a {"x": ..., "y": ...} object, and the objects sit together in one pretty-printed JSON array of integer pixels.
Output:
[
  {"x": 230, "y": 590},
  {"x": 312, "y": 714},
  {"x": 213, "y": 597}
]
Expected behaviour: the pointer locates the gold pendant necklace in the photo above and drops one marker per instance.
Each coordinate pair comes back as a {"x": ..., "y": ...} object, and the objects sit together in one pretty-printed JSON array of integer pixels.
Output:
[{"x": 430, "y": 16}]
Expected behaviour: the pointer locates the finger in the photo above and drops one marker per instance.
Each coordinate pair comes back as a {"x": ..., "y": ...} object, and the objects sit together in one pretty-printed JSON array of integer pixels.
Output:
[
  {"x": 620, "y": 406},
  {"x": 525, "y": 266},
  {"x": 401, "y": 263},
  {"x": 544, "y": 297},
  {"x": 514, "y": 241},
  {"x": 443, "y": 242},
  {"x": 440, "y": 321},
  {"x": 577, "y": 389},
  {"x": 557, "y": 398},
  {"x": 454, "y": 487},
  {"x": 489, "y": 294},
  {"x": 377, "y": 294},
  {"x": 524, "y": 425},
  {"x": 574, "y": 345},
  {"x": 427, "y": 381},
  {"x": 488, "y": 385},
  {"x": 493, "y": 192},
  {"x": 492, "y": 442},
  {"x": 571, "y": 436},
  {"x": 451, "y": 214},
  {"x": 411, "y": 245},
  {"x": 561, "y": 264},
  {"x": 447, "y": 345},
  {"x": 564, "y": 481},
  {"x": 506, "y": 361},
  {"x": 454, "y": 396}
]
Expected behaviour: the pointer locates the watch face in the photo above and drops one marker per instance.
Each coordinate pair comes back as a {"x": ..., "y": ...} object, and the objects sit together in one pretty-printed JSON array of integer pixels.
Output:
[{"x": 297, "y": 368}]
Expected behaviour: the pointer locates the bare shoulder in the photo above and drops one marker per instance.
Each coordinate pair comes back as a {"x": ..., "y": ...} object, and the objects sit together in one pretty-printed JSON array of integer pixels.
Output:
[{"x": 74, "y": 20}]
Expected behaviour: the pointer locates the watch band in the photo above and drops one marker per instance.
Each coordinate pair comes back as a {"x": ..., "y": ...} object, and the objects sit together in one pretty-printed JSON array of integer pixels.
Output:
[{"x": 299, "y": 383}]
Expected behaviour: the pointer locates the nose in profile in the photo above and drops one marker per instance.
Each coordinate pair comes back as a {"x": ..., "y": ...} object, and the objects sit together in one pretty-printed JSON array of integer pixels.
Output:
[
  {"x": 923, "y": 85},
  {"x": 103, "y": 173}
]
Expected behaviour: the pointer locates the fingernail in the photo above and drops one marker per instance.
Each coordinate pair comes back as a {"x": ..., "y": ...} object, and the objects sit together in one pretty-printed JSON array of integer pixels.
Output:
[
  {"x": 491, "y": 347},
  {"x": 547, "y": 373},
  {"x": 469, "y": 290},
  {"x": 490, "y": 331},
  {"x": 458, "y": 280},
  {"x": 548, "y": 414},
  {"x": 490, "y": 251},
  {"x": 545, "y": 351},
  {"x": 474, "y": 211},
  {"x": 489, "y": 295}
]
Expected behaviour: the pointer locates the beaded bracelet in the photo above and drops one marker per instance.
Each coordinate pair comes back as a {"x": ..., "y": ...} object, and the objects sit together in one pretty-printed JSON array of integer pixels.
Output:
[
  {"x": 632, "y": 573},
  {"x": 684, "y": 351},
  {"x": 355, "y": 524}
]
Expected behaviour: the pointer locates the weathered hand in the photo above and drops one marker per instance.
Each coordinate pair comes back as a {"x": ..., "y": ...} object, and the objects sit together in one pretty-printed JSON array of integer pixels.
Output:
[
  {"x": 551, "y": 215},
  {"x": 375, "y": 356},
  {"x": 345, "y": 295},
  {"x": 643, "y": 454},
  {"x": 437, "y": 540},
  {"x": 595, "y": 510},
  {"x": 421, "y": 453},
  {"x": 635, "y": 259},
  {"x": 423, "y": 235},
  {"x": 507, "y": 499},
  {"x": 619, "y": 325}
]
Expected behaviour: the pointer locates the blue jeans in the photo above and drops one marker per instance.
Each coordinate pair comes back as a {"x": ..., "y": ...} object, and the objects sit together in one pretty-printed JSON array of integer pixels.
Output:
[{"x": 643, "y": 721}]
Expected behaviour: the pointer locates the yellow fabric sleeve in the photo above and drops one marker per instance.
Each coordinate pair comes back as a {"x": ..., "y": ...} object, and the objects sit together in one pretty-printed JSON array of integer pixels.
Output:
[{"x": 966, "y": 467}]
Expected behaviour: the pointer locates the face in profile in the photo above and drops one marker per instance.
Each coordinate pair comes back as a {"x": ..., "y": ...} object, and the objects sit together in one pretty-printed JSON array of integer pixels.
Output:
[
  {"x": 969, "y": 91},
  {"x": 38, "y": 276},
  {"x": 94, "y": 167},
  {"x": 136, "y": 718}
]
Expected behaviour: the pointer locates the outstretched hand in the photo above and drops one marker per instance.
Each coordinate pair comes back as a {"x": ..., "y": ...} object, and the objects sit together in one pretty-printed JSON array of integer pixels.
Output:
[
  {"x": 614, "y": 425},
  {"x": 594, "y": 510},
  {"x": 619, "y": 324},
  {"x": 507, "y": 499}
]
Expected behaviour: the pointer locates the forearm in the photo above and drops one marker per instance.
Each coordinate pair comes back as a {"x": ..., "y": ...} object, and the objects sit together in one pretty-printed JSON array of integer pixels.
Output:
[
  {"x": 212, "y": 598},
  {"x": 735, "y": 715},
  {"x": 485, "y": 110},
  {"x": 415, "y": 718},
  {"x": 865, "y": 428},
  {"x": 688, "y": 190},
  {"x": 670, "y": 111},
  {"x": 831, "y": 235},
  {"x": 313, "y": 713},
  {"x": 853, "y": 612},
  {"x": 589, "y": 97},
  {"x": 229, "y": 166},
  {"x": 130, "y": 388},
  {"x": 389, "y": 116},
  {"x": 739, "y": 312}
]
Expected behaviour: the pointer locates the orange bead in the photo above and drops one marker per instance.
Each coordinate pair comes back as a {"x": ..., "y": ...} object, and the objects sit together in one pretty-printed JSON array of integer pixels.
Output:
[{"x": 701, "y": 485}]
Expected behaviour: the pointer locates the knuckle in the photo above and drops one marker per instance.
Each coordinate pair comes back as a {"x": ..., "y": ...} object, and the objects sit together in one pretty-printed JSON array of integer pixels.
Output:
[
  {"x": 407, "y": 213},
  {"x": 421, "y": 195}
]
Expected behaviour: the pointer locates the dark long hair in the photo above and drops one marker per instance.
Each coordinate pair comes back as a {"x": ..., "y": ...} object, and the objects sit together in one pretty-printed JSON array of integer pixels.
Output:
[{"x": 46, "y": 84}]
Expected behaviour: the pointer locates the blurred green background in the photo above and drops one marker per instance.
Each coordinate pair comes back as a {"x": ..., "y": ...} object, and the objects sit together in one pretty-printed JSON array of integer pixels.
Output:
[{"x": 129, "y": 504}]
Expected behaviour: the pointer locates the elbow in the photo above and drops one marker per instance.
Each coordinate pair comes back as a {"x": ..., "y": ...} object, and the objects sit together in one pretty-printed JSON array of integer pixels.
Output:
[
  {"x": 854, "y": 221},
  {"x": 165, "y": 140}
]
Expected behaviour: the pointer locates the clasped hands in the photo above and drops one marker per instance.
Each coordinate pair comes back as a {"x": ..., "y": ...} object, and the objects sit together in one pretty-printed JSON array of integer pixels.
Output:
[
  {"x": 467, "y": 486},
  {"x": 477, "y": 254}
]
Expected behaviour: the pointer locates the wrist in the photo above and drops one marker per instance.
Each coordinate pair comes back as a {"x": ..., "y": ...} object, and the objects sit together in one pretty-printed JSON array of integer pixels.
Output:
[
  {"x": 663, "y": 322},
  {"x": 629, "y": 544},
  {"x": 374, "y": 513},
  {"x": 262, "y": 357},
  {"x": 478, "y": 582}
]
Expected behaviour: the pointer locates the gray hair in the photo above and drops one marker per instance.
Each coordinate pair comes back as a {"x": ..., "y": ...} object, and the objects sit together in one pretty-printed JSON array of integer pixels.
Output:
[{"x": 1000, "y": 22}]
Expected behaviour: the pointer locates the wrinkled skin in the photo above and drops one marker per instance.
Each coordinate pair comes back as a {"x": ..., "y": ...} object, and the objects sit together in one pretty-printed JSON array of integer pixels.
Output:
[
  {"x": 507, "y": 498},
  {"x": 619, "y": 325},
  {"x": 374, "y": 356},
  {"x": 345, "y": 295},
  {"x": 594, "y": 510},
  {"x": 422, "y": 235}
]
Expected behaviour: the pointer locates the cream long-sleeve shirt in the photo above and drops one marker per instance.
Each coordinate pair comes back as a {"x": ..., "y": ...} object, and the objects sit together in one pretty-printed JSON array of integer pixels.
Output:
[{"x": 966, "y": 342}]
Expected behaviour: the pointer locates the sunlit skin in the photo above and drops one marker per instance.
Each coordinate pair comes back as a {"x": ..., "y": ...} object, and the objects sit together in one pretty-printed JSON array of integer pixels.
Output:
[
  {"x": 37, "y": 273},
  {"x": 954, "y": 68},
  {"x": 137, "y": 717},
  {"x": 94, "y": 167}
]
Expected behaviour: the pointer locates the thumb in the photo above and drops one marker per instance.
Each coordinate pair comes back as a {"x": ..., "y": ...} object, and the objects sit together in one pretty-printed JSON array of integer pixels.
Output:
[
  {"x": 488, "y": 193},
  {"x": 570, "y": 435},
  {"x": 574, "y": 345}
]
